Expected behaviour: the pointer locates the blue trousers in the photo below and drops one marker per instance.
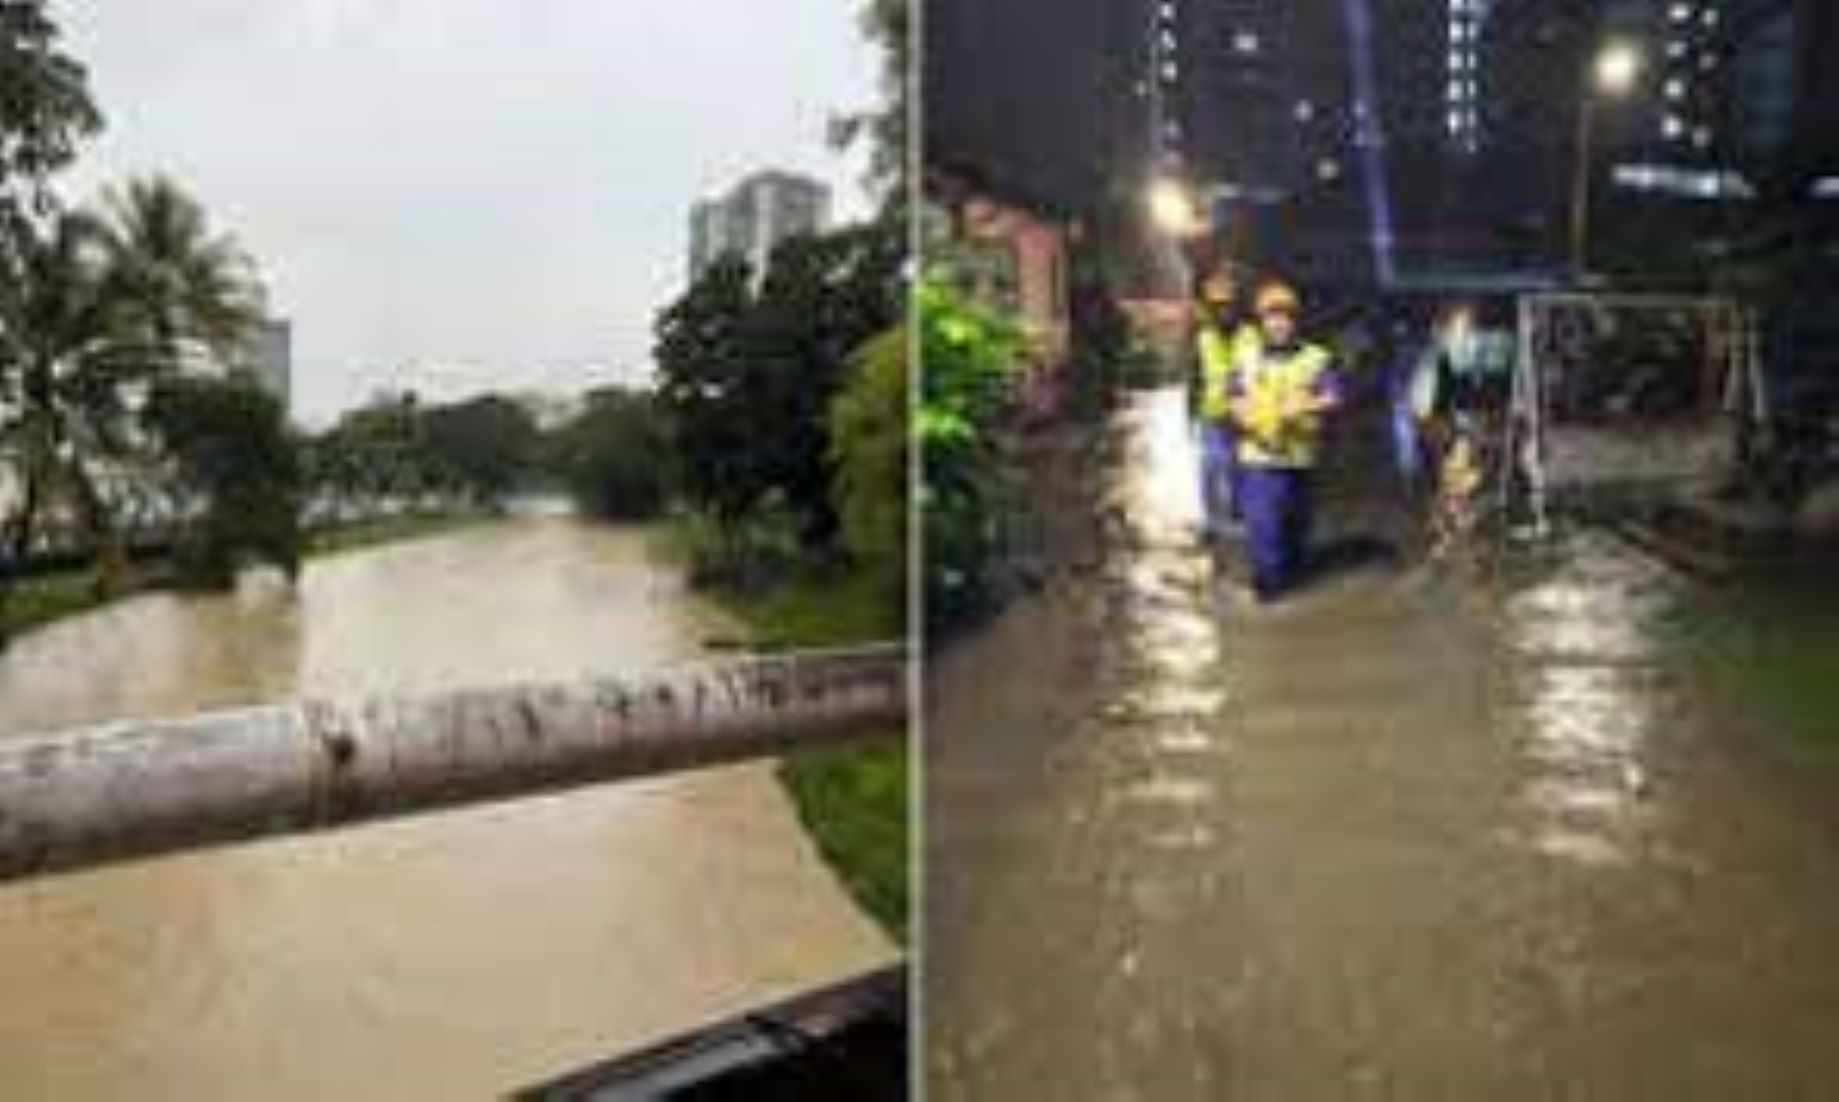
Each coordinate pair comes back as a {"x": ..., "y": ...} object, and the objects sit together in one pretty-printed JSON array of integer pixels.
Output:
[
  {"x": 1219, "y": 475},
  {"x": 1278, "y": 508}
]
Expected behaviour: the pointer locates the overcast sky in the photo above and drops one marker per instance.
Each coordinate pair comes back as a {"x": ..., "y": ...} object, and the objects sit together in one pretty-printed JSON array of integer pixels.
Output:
[{"x": 462, "y": 194}]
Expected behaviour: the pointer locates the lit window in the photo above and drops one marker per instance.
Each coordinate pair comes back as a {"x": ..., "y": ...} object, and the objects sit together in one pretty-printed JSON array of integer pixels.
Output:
[
  {"x": 1671, "y": 127},
  {"x": 1676, "y": 89},
  {"x": 1245, "y": 42},
  {"x": 1680, "y": 13}
]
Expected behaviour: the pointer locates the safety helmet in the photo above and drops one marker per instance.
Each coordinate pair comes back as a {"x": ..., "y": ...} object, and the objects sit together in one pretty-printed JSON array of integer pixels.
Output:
[
  {"x": 1219, "y": 289},
  {"x": 1276, "y": 297}
]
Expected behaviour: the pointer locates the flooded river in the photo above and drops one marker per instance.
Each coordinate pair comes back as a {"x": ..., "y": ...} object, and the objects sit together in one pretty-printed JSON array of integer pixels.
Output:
[
  {"x": 457, "y": 955},
  {"x": 1410, "y": 835}
]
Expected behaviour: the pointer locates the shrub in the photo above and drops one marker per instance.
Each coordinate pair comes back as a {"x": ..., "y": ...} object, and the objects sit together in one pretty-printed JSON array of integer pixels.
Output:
[
  {"x": 869, "y": 447},
  {"x": 234, "y": 457},
  {"x": 969, "y": 356}
]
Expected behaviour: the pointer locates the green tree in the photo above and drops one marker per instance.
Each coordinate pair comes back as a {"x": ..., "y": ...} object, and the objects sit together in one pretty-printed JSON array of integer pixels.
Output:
[
  {"x": 375, "y": 456},
  {"x": 186, "y": 291},
  {"x": 238, "y": 469},
  {"x": 96, "y": 310},
  {"x": 612, "y": 457},
  {"x": 483, "y": 447},
  {"x": 703, "y": 391},
  {"x": 970, "y": 352},
  {"x": 747, "y": 379},
  {"x": 66, "y": 368},
  {"x": 869, "y": 443},
  {"x": 823, "y": 298},
  {"x": 45, "y": 110}
]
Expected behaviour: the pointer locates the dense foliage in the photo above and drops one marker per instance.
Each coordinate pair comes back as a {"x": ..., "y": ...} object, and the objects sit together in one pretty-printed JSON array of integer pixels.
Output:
[
  {"x": 747, "y": 376},
  {"x": 237, "y": 470},
  {"x": 870, "y": 447},
  {"x": 481, "y": 449},
  {"x": 612, "y": 456},
  {"x": 970, "y": 352}
]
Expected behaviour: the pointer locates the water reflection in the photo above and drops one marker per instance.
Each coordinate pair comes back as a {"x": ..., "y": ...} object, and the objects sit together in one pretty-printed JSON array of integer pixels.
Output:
[{"x": 1584, "y": 651}]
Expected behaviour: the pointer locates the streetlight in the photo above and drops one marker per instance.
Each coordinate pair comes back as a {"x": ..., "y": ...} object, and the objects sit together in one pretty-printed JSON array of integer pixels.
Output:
[
  {"x": 1173, "y": 209},
  {"x": 1614, "y": 72}
]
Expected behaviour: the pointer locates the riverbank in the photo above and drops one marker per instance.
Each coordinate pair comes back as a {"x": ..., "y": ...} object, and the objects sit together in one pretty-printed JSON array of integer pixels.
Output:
[
  {"x": 42, "y": 599},
  {"x": 854, "y": 802}
]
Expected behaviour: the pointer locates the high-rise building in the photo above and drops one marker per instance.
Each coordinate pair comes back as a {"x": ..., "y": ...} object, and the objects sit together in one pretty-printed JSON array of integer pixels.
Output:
[
  {"x": 754, "y": 217},
  {"x": 1260, "y": 102}
]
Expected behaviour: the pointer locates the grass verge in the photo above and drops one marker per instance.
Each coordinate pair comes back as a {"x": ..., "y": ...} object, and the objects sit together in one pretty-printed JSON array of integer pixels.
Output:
[
  {"x": 39, "y": 600},
  {"x": 1775, "y": 656},
  {"x": 853, "y": 801}
]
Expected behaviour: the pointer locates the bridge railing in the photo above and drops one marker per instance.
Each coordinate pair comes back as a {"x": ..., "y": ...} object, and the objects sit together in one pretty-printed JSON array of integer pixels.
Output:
[{"x": 86, "y": 797}]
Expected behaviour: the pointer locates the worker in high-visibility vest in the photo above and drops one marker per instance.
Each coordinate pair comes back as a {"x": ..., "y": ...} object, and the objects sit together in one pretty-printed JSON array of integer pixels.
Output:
[
  {"x": 1280, "y": 394},
  {"x": 1223, "y": 338}
]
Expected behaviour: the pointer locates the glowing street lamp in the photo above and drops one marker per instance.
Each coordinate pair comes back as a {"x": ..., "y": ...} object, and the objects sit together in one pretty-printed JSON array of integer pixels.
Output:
[
  {"x": 1173, "y": 209},
  {"x": 1614, "y": 72},
  {"x": 1617, "y": 67}
]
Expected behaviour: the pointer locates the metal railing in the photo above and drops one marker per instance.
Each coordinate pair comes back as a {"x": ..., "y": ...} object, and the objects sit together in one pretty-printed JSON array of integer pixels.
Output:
[{"x": 86, "y": 797}]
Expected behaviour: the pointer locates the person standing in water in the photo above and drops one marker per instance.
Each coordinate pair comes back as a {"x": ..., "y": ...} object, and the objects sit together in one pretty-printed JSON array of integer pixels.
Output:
[
  {"x": 1223, "y": 340},
  {"x": 1280, "y": 393}
]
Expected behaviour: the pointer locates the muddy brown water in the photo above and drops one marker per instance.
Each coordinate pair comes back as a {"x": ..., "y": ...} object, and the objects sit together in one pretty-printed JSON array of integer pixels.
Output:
[
  {"x": 457, "y": 955},
  {"x": 1412, "y": 835}
]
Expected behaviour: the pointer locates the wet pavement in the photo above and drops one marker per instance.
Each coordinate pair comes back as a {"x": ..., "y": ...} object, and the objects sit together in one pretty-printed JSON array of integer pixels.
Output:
[
  {"x": 454, "y": 955},
  {"x": 1417, "y": 834}
]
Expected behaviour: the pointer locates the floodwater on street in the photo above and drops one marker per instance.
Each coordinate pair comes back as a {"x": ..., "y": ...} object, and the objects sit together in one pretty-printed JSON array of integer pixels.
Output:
[
  {"x": 454, "y": 955},
  {"x": 1413, "y": 834}
]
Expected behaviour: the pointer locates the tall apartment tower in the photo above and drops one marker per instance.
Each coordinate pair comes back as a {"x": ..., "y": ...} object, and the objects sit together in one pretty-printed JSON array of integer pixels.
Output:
[
  {"x": 1259, "y": 103},
  {"x": 754, "y": 217}
]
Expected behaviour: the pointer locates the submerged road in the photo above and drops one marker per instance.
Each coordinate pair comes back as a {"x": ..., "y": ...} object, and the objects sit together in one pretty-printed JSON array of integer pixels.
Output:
[{"x": 1408, "y": 836}]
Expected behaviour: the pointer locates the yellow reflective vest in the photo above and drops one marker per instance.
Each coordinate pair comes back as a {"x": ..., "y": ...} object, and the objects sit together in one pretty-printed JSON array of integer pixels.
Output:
[
  {"x": 1220, "y": 356},
  {"x": 1273, "y": 385}
]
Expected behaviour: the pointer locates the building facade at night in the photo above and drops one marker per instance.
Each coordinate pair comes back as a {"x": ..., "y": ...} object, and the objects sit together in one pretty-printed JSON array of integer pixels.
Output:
[
  {"x": 1393, "y": 140},
  {"x": 1259, "y": 105}
]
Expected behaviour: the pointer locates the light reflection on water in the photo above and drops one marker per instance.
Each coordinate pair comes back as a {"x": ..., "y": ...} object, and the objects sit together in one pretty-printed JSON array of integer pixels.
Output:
[
  {"x": 1158, "y": 488},
  {"x": 1165, "y": 726},
  {"x": 1583, "y": 651}
]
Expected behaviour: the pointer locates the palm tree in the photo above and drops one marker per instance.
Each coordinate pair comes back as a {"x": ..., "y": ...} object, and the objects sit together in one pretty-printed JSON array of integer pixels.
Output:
[
  {"x": 182, "y": 288},
  {"x": 64, "y": 368},
  {"x": 99, "y": 309},
  {"x": 45, "y": 105}
]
